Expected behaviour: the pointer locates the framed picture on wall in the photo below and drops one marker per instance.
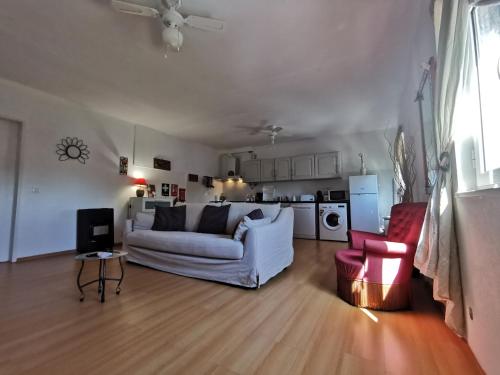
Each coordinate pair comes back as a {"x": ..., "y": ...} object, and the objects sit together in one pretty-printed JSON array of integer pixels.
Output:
[
  {"x": 123, "y": 165},
  {"x": 151, "y": 190},
  {"x": 173, "y": 190},
  {"x": 182, "y": 195},
  {"x": 159, "y": 163},
  {"x": 165, "y": 190}
]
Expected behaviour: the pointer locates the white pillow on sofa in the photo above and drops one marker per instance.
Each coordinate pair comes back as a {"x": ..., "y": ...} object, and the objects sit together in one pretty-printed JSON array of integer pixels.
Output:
[
  {"x": 239, "y": 209},
  {"x": 247, "y": 223},
  {"x": 143, "y": 221}
]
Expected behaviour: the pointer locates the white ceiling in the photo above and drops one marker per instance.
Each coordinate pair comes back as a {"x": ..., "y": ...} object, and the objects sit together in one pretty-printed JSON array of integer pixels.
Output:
[{"x": 312, "y": 66}]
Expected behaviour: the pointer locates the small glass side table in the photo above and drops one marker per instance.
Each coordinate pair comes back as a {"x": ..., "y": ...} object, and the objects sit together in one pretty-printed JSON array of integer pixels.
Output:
[{"x": 101, "y": 288}]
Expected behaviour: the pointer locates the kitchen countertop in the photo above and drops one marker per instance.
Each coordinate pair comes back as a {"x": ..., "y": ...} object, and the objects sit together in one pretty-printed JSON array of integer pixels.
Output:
[
  {"x": 290, "y": 202},
  {"x": 336, "y": 201},
  {"x": 271, "y": 202},
  {"x": 265, "y": 202}
]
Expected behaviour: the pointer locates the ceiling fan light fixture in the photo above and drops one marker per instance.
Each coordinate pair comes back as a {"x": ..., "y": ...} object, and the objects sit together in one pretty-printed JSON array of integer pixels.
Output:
[
  {"x": 173, "y": 37},
  {"x": 172, "y": 18}
]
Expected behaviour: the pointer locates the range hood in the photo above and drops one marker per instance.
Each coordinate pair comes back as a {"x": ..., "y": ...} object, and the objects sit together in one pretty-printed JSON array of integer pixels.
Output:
[{"x": 229, "y": 168}]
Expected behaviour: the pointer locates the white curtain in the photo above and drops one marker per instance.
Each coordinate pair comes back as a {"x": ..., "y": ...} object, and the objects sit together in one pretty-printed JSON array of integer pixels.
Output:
[{"x": 437, "y": 254}]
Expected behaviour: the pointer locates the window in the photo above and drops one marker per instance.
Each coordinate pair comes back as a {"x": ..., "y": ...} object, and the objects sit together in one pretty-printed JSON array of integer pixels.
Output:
[
  {"x": 486, "y": 30},
  {"x": 485, "y": 17}
]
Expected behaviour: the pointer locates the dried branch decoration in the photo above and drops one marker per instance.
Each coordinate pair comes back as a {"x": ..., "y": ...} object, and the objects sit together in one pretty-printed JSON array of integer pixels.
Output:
[{"x": 402, "y": 154}]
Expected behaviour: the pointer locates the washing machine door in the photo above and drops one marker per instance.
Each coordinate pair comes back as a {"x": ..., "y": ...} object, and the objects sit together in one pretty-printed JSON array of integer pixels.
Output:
[{"x": 332, "y": 220}]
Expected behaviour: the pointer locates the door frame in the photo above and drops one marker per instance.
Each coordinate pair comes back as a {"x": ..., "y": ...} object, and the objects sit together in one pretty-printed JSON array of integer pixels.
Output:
[{"x": 12, "y": 256}]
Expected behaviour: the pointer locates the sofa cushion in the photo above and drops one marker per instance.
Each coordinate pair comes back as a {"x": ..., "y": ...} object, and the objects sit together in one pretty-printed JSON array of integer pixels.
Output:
[
  {"x": 170, "y": 219},
  {"x": 247, "y": 223},
  {"x": 214, "y": 219},
  {"x": 143, "y": 220},
  {"x": 193, "y": 214},
  {"x": 219, "y": 246},
  {"x": 239, "y": 210},
  {"x": 254, "y": 215}
]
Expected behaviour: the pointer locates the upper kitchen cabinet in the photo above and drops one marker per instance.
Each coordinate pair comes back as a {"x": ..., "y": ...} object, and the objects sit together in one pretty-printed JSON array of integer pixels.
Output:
[
  {"x": 327, "y": 165},
  {"x": 303, "y": 167},
  {"x": 251, "y": 170},
  {"x": 267, "y": 171},
  {"x": 282, "y": 169}
]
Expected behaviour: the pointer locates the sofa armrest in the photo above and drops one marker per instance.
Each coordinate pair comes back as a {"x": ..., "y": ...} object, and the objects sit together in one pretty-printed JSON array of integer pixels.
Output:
[
  {"x": 357, "y": 238},
  {"x": 387, "y": 249},
  {"x": 272, "y": 243},
  {"x": 129, "y": 226}
]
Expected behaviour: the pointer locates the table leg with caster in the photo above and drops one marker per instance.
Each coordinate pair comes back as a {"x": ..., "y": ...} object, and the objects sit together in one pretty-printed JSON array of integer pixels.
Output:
[
  {"x": 99, "y": 283},
  {"x": 103, "y": 280},
  {"x": 118, "y": 289},
  {"x": 82, "y": 294}
]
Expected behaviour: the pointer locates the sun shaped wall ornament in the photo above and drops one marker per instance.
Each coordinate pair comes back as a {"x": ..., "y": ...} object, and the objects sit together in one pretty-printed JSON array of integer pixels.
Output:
[{"x": 72, "y": 148}]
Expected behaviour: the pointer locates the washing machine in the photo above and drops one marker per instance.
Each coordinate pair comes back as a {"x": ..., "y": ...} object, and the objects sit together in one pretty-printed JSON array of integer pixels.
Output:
[{"x": 333, "y": 224}]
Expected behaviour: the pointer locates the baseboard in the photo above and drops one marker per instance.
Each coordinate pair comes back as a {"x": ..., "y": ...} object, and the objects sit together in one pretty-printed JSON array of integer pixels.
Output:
[{"x": 48, "y": 255}]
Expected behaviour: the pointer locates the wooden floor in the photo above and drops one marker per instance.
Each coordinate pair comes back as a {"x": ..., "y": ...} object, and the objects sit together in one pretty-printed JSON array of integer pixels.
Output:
[{"x": 168, "y": 324}]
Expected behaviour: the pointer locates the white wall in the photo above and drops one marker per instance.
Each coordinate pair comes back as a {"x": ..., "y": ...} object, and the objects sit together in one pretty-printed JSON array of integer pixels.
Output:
[
  {"x": 478, "y": 218},
  {"x": 423, "y": 47},
  {"x": 373, "y": 144},
  {"x": 477, "y": 215},
  {"x": 186, "y": 158},
  {"x": 46, "y": 221}
]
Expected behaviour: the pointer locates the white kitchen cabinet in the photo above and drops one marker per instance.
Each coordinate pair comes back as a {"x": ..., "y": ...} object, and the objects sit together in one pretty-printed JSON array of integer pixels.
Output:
[
  {"x": 327, "y": 165},
  {"x": 267, "y": 170},
  {"x": 251, "y": 170},
  {"x": 303, "y": 167},
  {"x": 282, "y": 169}
]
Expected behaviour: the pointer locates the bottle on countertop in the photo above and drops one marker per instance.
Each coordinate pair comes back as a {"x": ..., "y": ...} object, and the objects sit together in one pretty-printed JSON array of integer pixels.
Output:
[{"x": 319, "y": 196}]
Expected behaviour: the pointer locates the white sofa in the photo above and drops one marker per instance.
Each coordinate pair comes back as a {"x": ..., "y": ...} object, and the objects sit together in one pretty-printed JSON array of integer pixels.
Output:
[{"x": 265, "y": 252}]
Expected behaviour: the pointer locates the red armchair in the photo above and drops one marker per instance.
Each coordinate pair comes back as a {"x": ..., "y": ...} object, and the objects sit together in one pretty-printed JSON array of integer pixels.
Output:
[{"x": 375, "y": 272}]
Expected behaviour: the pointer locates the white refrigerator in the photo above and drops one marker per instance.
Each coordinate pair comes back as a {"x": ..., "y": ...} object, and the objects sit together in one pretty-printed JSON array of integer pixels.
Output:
[{"x": 363, "y": 191}]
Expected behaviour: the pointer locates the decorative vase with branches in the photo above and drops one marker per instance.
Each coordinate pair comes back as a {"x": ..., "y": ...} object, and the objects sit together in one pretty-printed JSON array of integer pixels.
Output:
[{"x": 402, "y": 153}]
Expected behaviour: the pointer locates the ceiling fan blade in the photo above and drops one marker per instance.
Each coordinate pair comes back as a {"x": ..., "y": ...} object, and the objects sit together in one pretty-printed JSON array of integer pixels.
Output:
[
  {"x": 135, "y": 9},
  {"x": 251, "y": 130},
  {"x": 203, "y": 23}
]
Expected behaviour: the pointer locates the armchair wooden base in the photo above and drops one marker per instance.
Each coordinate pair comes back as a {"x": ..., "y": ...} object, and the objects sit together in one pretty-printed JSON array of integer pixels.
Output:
[{"x": 374, "y": 296}]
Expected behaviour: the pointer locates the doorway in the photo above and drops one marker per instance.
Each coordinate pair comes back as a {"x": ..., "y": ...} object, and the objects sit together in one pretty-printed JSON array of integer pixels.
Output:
[{"x": 10, "y": 137}]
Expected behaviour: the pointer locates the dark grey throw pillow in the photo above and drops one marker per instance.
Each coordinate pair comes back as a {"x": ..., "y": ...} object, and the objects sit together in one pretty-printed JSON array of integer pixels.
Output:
[
  {"x": 214, "y": 219},
  {"x": 256, "y": 214},
  {"x": 170, "y": 219}
]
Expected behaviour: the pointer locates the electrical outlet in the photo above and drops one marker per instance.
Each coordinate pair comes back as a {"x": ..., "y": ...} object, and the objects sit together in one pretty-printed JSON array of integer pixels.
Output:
[
  {"x": 471, "y": 315},
  {"x": 35, "y": 190}
]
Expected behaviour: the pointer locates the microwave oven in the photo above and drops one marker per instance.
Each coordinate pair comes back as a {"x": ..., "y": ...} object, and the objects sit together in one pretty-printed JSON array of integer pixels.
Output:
[{"x": 336, "y": 195}]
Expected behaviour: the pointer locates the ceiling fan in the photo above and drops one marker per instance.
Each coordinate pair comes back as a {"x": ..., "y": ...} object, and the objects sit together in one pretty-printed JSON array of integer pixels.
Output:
[
  {"x": 271, "y": 131},
  {"x": 172, "y": 21}
]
